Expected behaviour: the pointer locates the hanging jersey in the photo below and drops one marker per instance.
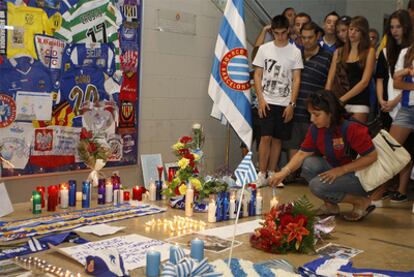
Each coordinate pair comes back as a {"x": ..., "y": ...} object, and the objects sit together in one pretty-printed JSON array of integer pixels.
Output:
[
  {"x": 128, "y": 38},
  {"x": 129, "y": 87},
  {"x": 26, "y": 22},
  {"x": 26, "y": 74},
  {"x": 91, "y": 22},
  {"x": 97, "y": 55},
  {"x": 82, "y": 85}
]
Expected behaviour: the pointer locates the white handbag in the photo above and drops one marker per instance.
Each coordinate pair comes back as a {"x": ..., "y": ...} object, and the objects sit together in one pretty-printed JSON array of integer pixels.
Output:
[{"x": 392, "y": 158}]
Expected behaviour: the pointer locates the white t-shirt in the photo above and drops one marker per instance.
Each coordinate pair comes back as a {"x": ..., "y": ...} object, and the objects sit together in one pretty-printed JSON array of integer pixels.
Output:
[
  {"x": 405, "y": 101},
  {"x": 278, "y": 64}
]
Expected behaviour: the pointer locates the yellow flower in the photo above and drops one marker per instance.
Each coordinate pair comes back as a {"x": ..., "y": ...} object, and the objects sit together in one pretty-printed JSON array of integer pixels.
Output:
[
  {"x": 178, "y": 146},
  {"x": 196, "y": 183},
  {"x": 182, "y": 189},
  {"x": 196, "y": 157},
  {"x": 183, "y": 163}
]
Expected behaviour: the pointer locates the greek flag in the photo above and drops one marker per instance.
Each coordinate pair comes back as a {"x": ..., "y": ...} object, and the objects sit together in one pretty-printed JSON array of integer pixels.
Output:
[
  {"x": 229, "y": 86},
  {"x": 246, "y": 172}
]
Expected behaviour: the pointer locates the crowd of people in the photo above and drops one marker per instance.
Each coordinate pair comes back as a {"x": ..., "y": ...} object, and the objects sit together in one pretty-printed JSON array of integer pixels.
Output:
[{"x": 311, "y": 81}]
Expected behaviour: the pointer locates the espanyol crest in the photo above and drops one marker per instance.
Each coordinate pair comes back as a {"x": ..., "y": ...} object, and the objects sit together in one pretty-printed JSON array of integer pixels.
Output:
[
  {"x": 7, "y": 110},
  {"x": 234, "y": 69}
]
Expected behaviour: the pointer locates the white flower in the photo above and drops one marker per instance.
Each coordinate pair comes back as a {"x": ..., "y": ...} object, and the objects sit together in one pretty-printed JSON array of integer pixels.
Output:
[{"x": 196, "y": 126}]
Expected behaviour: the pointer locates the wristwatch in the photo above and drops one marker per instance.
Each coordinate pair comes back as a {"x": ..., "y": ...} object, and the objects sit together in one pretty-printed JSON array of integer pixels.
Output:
[{"x": 293, "y": 104}]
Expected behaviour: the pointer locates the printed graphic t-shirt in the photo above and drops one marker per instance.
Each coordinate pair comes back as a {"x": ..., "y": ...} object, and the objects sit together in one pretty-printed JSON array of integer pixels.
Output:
[{"x": 278, "y": 64}]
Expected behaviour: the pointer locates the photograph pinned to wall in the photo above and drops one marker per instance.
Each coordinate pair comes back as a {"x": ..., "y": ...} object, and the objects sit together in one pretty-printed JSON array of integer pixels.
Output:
[{"x": 149, "y": 163}]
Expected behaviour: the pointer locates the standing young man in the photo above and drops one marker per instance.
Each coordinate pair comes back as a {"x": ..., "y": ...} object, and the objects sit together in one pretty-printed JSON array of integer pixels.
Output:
[
  {"x": 277, "y": 78},
  {"x": 328, "y": 41},
  {"x": 316, "y": 61}
]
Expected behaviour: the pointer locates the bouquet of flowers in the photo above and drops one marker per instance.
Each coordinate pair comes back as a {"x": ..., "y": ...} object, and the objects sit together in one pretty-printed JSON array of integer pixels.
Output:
[
  {"x": 94, "y": 152},
  {"x": 287, "y": 228},
  {"x": 188, "y": 160}
]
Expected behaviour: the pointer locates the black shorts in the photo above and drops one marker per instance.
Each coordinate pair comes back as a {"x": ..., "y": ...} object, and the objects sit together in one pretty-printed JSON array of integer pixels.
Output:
[{"x": 273, "y": 125}]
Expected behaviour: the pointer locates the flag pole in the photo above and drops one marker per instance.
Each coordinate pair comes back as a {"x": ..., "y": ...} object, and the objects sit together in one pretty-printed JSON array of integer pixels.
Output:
[
  {"x": 227, "y": 158},
  {"x": 237, "y": 218}
]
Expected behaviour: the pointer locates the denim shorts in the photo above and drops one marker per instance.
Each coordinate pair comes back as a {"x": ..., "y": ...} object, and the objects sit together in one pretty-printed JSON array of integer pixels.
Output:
[{"x": 405, "y": 118}]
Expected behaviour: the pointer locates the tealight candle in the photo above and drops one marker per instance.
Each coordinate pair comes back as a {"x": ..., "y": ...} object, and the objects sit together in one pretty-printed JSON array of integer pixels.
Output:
[
  {"x": 153, "y": 263},
  {"x": 197, "y": 249}
]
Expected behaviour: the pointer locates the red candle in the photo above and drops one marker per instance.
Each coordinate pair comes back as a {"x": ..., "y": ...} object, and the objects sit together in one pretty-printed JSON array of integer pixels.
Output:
[
  {"x": 126, "y": 195},
  {"x": 52, "y": 199},
  {"x": 135, "y": 193},
  {"x": 171, "y": 173},
  {"x": 42, "y": 191}
]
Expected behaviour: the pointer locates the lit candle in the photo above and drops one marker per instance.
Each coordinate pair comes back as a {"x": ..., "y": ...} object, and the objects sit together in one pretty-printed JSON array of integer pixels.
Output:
[
  {"x": 64, "y": 196},
  {"x": 232, "y": 208},
  {"x": 173, "y": 250},
  {"x": 126, "y": 195},
  {"x": 42, "y": 191},
  {"x": 197, "y": 249},
  {"x": 211, "y": 217},
  {"x": 273, "y": 202},
  {"x": 52, "y": 198},
  {"x": 137, "y": 193},
  {"x": 189, "y": 199},
  {"x": 153, "y": 263},
  {"x": 245, "y": 207},
  {"x": 259, "y": 203},
  {"x": 108, "y": 191},
  {"x": 152, "y": 191}
]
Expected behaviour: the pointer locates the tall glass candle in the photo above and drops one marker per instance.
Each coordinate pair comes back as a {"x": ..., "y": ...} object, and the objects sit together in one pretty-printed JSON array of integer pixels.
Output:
[
  {"x": 37, "y": 202},
  {"x": 42, "y": 191},
  {"x": 72, "y": 193},
  {"x": 101, "y": 191},
  {"x": 197, "y": 249},
  {"x": 86, "y": 194},
  {"x": 64, "y": 196},
  {"x": 153, "y": 263},
  {"x": 108, "y": 191},
  {"x": 52, "y": 198}
]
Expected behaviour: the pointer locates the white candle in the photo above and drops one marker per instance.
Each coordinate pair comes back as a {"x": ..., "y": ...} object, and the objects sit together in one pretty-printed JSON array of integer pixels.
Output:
[
  {"x": 232, "y": 207},
  {"x": 108, "y": 192},
  {"x": 245, "y": 208},
  {"x": 189, "y": 199},
  {"x": 212, "y": 211},
  {"x": 117, "y": 197},
  {"x": 259, "y": 204},
  {"x": 64, "y": 198},
  {"x": 164, "y": 187},
  {"x": 121, "y": 196},
  {"x": 152, "y": 191},
  {"x": 273, "y": 202}
]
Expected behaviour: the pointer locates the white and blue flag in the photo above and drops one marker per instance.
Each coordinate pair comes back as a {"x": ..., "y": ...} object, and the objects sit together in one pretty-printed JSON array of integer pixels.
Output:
[
  {"x": 246, "y": 172},
  {"x": 229, "y": 86}
]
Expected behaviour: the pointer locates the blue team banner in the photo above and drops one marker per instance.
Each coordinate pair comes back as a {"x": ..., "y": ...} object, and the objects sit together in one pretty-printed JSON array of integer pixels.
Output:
[{"x": 229, "y": 86}]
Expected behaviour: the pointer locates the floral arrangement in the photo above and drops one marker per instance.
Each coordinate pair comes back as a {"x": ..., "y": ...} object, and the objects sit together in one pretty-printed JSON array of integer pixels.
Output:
[
  {"x": 287, "y": 228},
  {"x": 94, "y": 152},
  {"x": 188, "y": 160}
]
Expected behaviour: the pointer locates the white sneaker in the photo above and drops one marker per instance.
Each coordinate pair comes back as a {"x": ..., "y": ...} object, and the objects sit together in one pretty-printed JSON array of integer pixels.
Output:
[{"x": 261, "y": 180}]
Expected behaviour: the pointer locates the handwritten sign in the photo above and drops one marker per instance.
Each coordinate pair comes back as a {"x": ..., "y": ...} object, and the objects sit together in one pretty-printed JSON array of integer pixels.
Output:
[{"x": 132, "y": 248}]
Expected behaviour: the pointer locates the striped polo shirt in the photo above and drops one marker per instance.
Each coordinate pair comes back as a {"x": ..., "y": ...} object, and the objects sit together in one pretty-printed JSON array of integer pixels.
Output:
[{"x": 313, "y": 78}]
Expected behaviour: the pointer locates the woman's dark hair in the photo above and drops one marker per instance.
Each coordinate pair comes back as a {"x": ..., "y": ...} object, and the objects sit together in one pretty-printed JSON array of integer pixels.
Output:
[
  {"x": 393, "y": 49},
  {"x": 361, "y": 23},
  {"x": 325, "y": 100}
]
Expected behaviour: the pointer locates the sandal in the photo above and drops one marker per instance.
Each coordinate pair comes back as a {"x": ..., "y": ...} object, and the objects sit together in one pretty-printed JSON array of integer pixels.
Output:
[
  {"x": 358, "y": 214},
  {"x": 326, "y": 211}
]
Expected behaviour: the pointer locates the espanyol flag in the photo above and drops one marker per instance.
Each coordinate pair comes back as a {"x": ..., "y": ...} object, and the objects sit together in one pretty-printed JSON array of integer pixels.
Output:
[
  {"x": 246, "y": 172},
  {"x": 229, "y": 86}
]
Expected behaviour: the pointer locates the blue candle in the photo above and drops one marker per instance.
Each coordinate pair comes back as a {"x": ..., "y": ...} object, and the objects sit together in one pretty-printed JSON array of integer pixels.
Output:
[
  {"x": 197, "y": 249},
  {"x": 173, "y": 250},
  {"x": 153, "y": 263}
]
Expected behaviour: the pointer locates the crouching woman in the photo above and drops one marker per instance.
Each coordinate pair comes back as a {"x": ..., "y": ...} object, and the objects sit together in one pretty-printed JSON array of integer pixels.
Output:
[{"x": 329, "y": 171}]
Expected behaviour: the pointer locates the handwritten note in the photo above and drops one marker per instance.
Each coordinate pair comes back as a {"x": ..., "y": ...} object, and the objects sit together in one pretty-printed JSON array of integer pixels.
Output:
[{"x": 132, "y": 248}]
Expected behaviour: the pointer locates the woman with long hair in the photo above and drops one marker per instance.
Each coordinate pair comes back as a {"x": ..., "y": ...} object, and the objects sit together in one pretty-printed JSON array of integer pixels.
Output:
[
  {"x": 326, "y": 166},
  {"x": 357, "y": 57},
  {"x": 342, "y": 26},
  {"x": 399, "y": 36}
]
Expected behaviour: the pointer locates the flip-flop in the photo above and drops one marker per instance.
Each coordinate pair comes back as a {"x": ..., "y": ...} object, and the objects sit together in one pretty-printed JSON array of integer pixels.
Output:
[
  {"x": 325, "y": 211},
  {"x": 358, "y": 215}
]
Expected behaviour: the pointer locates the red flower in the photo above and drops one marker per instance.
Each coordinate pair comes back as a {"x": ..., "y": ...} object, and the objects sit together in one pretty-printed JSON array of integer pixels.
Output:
[
  {"x": 285, "y": 220},
  {"x": 183, "y": 152},
  {"x": 296, "y": 231},
  {"x": 177, "y": 191},
  {"x": 92, "y": 147},
  {"x": 85, "y": 134},
  {"x": 253, "y": 186},
  {"x": 299, "y": 217},
  {"x": 192, "y": 164},
  {"x": 186, "y": 139},
  {"x": 195, "y": 171},
  {"x": 189, "y": 157}
]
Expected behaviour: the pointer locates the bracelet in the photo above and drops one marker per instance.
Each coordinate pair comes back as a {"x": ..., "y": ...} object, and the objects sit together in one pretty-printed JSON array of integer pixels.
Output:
[{"x": 287, "y": 169}]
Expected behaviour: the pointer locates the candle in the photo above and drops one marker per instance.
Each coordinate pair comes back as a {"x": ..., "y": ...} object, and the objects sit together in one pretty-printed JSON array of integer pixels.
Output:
[
  {"x": 259, "y": 204},
  {"x": 164, "y": 188},
  {"x": 42, "y": 191},
  {"x": 245, "y": 207},
  {"x": 126, "y": 195},
  {"x": 117, "y": 196},
  {"x": 158, "y": 185},
  {"x": 197, "y": 249},
  {"x": 64, "y": 196},
  {"x": 86, "y": 194},
  {"x": 78, "y": 196},
  {"x": 72, "y": 193},
  {"x": 36, "y": 202},
  {"x": 232, "y": 208},
  {"x": 52, "y": 198},
  {"x": 212, "y": 211},
  {"x": 273, "y": 202},
  {"x": 173, "y": 250},
  {"x": 101, "y": 191},
  {"x": 226, "y": 208},
  {"x": 189, "y": 199},
  {"x": 137, "y": 193},
  {"x": 108, "y": 191},
  {"x": 152, "y": 191},
  {"x": 153, "y": 263}
]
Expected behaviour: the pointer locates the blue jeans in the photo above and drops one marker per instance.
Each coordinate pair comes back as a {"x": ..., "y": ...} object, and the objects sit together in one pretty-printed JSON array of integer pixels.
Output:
[{"x": 335, "y": 192}]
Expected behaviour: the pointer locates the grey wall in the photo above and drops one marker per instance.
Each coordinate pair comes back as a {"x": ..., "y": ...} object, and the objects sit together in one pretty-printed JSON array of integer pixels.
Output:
[{"x": 175, "y": 74}]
